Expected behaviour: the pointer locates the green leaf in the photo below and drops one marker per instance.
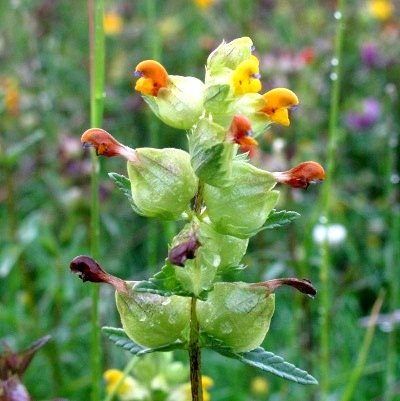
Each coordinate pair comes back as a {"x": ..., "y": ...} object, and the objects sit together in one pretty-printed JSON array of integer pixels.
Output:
[
  {"x": 261, "y": 359},
  {"x": 165, "y": 283},
  {"x": 278, "y": 219},
  {"x": 121, "y": 339},
  {"x": 124, "y": 184}
]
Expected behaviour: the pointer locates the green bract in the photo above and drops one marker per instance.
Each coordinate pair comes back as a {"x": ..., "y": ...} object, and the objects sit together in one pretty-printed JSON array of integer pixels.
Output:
[
  {"x": 180, "y": 104},
  {"x": 229, "y": 55},
  {"x": 211, "y": 153},
  {"x": 237, "y": 314},
  {"x": 242, "y": 207},
  {"x": 152, "y": 320},
  {"x": 162, "y": 182},
  {"x": 215, "y": 252}
]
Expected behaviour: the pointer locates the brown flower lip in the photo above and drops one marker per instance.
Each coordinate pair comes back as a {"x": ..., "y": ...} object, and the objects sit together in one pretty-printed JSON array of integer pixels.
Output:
[
  {"x": 303, "y": 285},
  {"x": 302, "y": 175},
  {"x": 186, "y": 250},
  {"x": 106, "y": 145},
  {"x": 89, "y": 270}
]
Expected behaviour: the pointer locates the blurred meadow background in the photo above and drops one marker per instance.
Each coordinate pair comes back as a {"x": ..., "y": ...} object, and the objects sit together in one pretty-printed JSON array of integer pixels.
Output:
[{"x": 347, "y": 240}]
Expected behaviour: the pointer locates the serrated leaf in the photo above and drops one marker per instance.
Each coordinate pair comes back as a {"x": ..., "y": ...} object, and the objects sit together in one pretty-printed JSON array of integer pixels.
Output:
[
  {"x": 261, "y": 359},
  {"x": 119, "y": 337},
  {"x": 124, "y": 186},
  {"x": 278, "y": 219}
]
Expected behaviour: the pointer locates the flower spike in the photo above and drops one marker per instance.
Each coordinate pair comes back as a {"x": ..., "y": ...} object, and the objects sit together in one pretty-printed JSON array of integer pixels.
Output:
[
  {"x": 152, "y": 77},
  {"x": 302, "y": 175},
  {"x": 240, "y": 131},
  {"x": 279, "y": 100}
]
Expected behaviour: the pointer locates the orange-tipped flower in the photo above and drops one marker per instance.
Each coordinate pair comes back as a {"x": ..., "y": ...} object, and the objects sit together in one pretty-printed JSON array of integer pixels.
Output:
[
  {"x": 106, "y": 145},
  {"x": 152, "y": 77},
  {"x": 279, "y": 100},
  {"x": 240, "y": 131},
  {"x": 302, "y": 175}
]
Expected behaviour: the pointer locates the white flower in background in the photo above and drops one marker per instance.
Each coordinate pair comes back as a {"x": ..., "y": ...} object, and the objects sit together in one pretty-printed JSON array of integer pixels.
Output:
[{"x": 335, "y": 234}]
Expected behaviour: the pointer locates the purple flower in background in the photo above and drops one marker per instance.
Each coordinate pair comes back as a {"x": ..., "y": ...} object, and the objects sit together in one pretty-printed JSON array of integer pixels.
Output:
[
  {"x": 369, "y": 115},
  {"x": 370, "y": 55}
]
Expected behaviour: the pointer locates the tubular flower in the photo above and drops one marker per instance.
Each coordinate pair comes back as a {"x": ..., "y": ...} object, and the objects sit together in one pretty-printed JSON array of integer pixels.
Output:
[
  {"x": 153, "y": 77},
  {"x": 240, "y": 131},
  {"x": 176, "y": 100},
  {"x": 106, "y": 145},
  {"x": 246, "y": 77},
  {"x": 279, "y": 100},
  {"x": 302, "y": 175}
]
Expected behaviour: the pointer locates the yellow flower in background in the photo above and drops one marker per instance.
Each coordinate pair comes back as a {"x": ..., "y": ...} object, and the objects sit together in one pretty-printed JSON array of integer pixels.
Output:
[
  {"x": 381, "y": 9},
  {"x": 12, "y": 96},
  {"x": 113, "y": 23},
  {"x": 278, "y": 101},
  {"x": 246, "y": 77},
  {"x": 205, "y": 3},
  {"x": 112, "y": 377},
  {"x": 206, "y": 382},
  {"x": 260, "y": 386}
]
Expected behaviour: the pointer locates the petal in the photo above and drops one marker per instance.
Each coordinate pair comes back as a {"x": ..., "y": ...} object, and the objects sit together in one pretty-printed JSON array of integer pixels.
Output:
[{"x": 280, "y": 97}]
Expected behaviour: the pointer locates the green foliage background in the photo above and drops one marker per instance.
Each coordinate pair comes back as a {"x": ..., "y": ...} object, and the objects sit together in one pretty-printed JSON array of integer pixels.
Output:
[{"x": 45, "y": 182}]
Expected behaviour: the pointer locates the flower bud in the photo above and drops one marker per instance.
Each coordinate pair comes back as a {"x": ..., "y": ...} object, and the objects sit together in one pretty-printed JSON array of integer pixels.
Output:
[
  {"x": 152, "y": 320},
  {"x": 162, "y": 182},
  {"x": 241, "y": 208},
  {"x": 237, "y": 314}
]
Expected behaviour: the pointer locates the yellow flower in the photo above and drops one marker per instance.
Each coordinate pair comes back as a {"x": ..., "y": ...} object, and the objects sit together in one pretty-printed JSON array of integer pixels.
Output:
[
  {"x": 246, "y": 77},
  {"x": 259, "y": 386},
  {"x": 113, "y": 377},
  {"x": 153, "y": 77},
  {"x": 381, "y": 9},
  {"x": 113, "y": 23},
  {"x": 278, "y": 101},
  {"x": 204, "y": 3}
]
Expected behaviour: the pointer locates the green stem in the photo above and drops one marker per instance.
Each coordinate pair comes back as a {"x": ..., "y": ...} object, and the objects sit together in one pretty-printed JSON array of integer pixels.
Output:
[
  {"x": 358, "y": 369},
  {"x": 97, "y": 57},
  {"x": 195, "y": 355},
  {"x": 326, "y": 203}
]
